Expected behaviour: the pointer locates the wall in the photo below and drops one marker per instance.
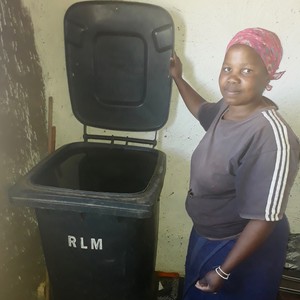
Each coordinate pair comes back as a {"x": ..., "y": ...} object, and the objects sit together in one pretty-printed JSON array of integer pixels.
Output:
[
  {"x": 203, "y": 28},
  {"x": 22, "y": 143}
]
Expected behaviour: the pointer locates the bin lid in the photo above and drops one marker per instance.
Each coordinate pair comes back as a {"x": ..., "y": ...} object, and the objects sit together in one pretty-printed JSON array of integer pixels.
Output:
[{"x": 117, "y": 60}]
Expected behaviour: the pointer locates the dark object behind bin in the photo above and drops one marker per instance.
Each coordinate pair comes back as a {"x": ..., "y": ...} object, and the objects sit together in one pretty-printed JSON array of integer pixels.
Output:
[{"x": 290, "y": 282}]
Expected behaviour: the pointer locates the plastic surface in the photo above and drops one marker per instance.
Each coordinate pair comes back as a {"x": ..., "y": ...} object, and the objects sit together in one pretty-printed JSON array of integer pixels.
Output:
[
  {"x": 94, "y": 177},
  {"x": 103, "y": 257},
  {"x": 97, "y": 204},
  {"x": 117, "y": 58},
  {"x": 97, "y": 208}
]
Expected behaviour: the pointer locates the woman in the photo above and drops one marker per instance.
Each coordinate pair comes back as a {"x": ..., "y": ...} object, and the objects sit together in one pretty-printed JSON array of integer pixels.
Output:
[{"x": 241, "y": 175}]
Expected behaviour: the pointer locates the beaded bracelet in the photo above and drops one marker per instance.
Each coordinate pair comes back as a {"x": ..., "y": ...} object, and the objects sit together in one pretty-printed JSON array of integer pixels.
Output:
[{"x": 221, "y": 273}]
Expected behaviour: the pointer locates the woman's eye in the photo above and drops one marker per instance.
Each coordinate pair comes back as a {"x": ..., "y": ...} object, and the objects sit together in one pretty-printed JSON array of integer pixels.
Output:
[
  {"x": 246, "y": 71},
  {"x": 226, "y": 69}
]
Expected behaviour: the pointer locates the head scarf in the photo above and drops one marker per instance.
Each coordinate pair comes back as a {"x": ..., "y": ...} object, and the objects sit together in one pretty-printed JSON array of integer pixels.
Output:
[{"x": 266, "y": 44}]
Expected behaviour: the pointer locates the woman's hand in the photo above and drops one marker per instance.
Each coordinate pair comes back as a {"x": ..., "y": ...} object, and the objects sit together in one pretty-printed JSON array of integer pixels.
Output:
[
  {"x": 175, "y": 67},
  {"x": 210, "y": 283},
  {"x": 190, "y": 97}
]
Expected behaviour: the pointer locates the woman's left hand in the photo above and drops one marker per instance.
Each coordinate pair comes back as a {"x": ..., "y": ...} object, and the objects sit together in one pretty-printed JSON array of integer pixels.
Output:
[{"x": 210, "y": 283}]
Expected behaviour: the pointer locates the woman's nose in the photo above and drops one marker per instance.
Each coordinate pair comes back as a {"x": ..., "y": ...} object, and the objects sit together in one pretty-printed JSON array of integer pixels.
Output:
[{"x": 233, "y": 79}]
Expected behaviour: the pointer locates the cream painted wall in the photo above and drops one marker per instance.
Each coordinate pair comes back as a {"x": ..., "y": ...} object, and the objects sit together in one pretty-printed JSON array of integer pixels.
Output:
[{"x": 203, "y": 28}]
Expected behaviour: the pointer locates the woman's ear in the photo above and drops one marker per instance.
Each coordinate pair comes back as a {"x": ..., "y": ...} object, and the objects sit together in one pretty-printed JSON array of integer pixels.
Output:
[{"x": 268, "y": 87}]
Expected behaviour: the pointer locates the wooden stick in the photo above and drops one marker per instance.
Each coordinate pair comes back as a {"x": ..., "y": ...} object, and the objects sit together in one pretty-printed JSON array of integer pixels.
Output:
[
  {"x": 51, "y": 128},
  {"x": 51, "y": 149}
]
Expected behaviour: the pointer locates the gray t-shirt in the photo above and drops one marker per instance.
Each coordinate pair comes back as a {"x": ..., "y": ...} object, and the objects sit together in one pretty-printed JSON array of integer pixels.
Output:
[{"x": 240, "y": 170}]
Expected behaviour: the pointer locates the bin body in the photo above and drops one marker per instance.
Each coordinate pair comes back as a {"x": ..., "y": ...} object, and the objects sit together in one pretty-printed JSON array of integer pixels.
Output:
[
  {"x": 97, "y": 203},
  {"x": 94, "y": 256},
  {"x": 97, "y": 209}
]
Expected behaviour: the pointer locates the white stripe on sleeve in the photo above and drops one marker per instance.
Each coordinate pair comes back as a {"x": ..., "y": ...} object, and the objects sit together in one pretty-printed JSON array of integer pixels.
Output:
[{"x": 279, "y": 179}]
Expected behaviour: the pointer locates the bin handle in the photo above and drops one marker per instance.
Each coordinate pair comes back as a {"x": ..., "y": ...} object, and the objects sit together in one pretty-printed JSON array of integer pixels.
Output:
[{"x": 113, "y": 138}]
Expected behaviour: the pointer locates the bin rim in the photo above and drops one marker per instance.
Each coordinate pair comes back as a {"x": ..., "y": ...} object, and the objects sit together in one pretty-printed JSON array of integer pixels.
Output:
[{"x": 26, "y": 193}]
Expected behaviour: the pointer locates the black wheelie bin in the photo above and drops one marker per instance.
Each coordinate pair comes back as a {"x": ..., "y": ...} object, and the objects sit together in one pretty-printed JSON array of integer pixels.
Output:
[{"x": 97, "y": 201}]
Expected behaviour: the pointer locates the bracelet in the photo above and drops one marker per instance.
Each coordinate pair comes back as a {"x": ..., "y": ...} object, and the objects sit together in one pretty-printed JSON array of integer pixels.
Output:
[{"x": 221, "y": 273}]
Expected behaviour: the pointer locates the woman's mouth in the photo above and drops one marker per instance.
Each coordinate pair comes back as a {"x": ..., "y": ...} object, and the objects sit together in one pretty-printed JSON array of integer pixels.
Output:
[{"x": 232, "y": 92}]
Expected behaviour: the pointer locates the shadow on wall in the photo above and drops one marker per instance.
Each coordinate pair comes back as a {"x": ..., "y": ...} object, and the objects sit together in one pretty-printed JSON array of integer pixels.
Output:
[{"x": 23, "y": 140}]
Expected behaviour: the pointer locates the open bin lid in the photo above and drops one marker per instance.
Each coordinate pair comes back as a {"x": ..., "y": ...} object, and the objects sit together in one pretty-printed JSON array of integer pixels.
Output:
[{"x": 117, "y": 59}]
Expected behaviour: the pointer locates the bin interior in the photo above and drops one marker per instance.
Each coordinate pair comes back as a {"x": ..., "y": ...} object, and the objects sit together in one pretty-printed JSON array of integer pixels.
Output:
[{"x": 99, "y": 169}]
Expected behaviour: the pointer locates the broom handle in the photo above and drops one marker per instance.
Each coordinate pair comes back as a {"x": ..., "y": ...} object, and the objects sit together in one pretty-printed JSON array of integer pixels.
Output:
[{"x": 51, "y": 128}]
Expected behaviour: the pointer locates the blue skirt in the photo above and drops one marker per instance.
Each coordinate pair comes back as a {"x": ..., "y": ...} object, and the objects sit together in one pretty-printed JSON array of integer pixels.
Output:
[{"x": 257, "y": 278}]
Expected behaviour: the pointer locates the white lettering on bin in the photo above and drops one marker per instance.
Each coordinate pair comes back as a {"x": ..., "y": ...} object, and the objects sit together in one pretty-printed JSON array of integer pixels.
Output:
[
  {"x": 96, "y": 244},
  {"x": 72, "y": 241},
  {"x": 82, "y": 246},
  {"x": 93, "y": 244}
]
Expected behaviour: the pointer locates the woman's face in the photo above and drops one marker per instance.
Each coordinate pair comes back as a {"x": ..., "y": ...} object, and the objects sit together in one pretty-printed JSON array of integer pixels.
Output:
[{"x": 243, "y": 76}]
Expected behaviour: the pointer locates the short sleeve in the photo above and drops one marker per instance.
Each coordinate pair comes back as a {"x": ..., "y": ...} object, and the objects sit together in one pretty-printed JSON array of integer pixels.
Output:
[
  {"x": 208, "y": 113},
  {"x": 265, "y": 177}
]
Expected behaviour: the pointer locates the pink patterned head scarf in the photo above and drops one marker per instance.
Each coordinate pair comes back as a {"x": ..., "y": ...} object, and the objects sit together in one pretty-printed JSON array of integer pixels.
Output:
[{"x": 266, "y": 44}]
